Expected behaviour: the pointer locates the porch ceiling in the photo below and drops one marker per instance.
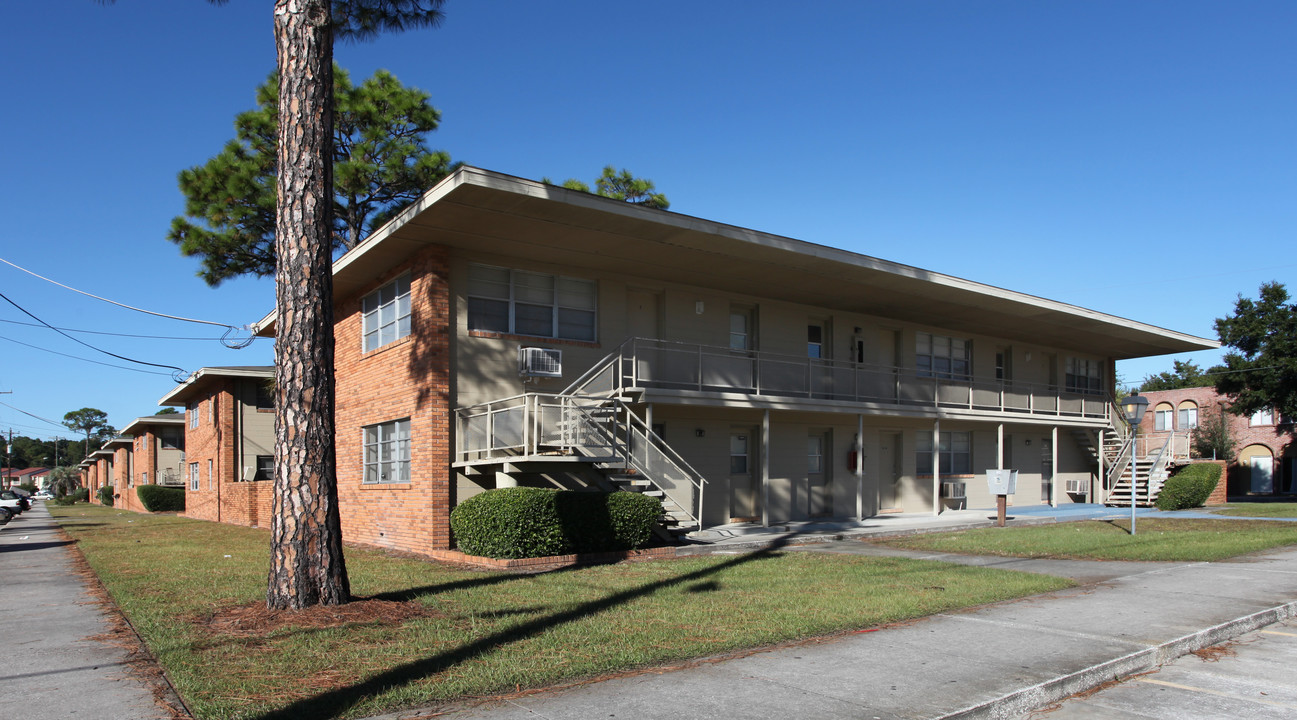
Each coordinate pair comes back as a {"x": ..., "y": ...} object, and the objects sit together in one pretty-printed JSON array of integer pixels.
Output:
[{"x": 488, "y": 212}]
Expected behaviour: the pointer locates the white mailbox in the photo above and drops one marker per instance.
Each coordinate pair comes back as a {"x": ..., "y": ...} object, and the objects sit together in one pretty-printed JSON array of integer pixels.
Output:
[{"x": 1002, "y": 482}]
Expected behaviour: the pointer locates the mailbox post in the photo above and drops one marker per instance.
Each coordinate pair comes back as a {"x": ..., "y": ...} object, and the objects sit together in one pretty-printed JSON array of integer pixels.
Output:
[{"x": 1002, "y": 484}]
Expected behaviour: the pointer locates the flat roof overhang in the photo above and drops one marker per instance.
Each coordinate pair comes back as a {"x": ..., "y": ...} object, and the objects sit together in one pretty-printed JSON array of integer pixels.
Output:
[
  {"x": 487, "y": 212},
  {"x": 139, "y": 423},
  {"x": 198, "y": 381}
]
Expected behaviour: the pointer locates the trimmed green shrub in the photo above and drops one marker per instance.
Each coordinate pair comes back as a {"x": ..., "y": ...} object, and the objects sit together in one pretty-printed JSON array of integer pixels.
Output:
[
  {"x": 1189, "y": 487},
  {"x": 537, "y": 522},
  {"x": 106, "y": 495},
  {"x": 80, "y": 495},
  {"x": 156, "y": 498},
  {"x": 65, "y": 500}
]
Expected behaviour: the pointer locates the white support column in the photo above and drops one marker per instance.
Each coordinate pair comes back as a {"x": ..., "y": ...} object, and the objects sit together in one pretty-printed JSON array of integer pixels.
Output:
[
  {"x": 936, "y": 468},
  {"x": 1053, "y": 449},
  {"x": 765, "y": 469},
  {"x": 648, "y": 416},
  {"x": 999, "y": 446},
  {"x": 860, "y": 467}
]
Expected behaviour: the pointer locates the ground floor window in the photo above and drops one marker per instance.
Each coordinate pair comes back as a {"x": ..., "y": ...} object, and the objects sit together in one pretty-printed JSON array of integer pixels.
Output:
[
  {"x": 265, "y": 468},
  {"x": 387, "y": 452},
  {"x": 193, "y": 476},
  {"x": 955, "y": 452}
]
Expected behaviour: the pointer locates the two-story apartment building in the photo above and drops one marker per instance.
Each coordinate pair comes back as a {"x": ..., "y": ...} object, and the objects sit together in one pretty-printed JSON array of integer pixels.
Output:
[
  {"x": 502, "y": 331},
  {"x": 229, "y": 443},
  {"x": 150, "y": 451},
  {"x": 99, "y": 465},
  {"x": 1265, "y": 460}
]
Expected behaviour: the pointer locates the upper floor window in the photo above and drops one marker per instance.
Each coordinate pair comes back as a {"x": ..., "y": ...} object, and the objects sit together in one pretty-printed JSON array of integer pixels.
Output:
[
  {"x": 387, "y": 452},
  {"x": 1084, "y": 376},
  {"x": 1264, "y": 416},
  {"x": 1188, "y": 415},
  {"x": 194, "y": 412},
  {"x": 172, "y": 440},
  {"x": 521, "y": 302},
  {"x": 942, "y": 357},
  {"x": 265, "y": 399},
  {"x": 1162, "y": 417},
  {"x": 955, "y": 453},
  {"x": 386, "y": 314}
]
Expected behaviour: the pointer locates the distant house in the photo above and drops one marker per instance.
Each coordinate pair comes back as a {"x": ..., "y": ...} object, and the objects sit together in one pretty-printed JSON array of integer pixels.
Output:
[
  {"x": 1266, "y": 454},
  {"x": 34, "y": 475},
  {"x": 229, "y": 423},
  {"x": 502, "y": 332}
]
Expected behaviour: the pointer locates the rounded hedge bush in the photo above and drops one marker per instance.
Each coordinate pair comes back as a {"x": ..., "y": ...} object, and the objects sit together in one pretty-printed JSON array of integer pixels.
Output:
[
  {"x": 1189, "y": 487},
  {"x": 527, "y": 522},
  {"x": 106, "y": 495},
  {"x": 156, "y": 498}
]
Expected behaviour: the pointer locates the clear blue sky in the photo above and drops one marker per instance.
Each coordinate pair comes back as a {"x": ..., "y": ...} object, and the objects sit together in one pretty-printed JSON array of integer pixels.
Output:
[{"x": 1046, "y": 147}]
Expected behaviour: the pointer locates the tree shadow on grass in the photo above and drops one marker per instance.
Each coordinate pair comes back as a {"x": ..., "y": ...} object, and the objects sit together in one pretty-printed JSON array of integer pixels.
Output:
[{"x": 338, "y": 701}]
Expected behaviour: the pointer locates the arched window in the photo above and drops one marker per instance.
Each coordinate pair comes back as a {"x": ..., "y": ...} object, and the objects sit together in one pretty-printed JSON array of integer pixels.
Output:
[
  {"x": 1162, "y": 416},
  {"x": 1188, "y": 415}
]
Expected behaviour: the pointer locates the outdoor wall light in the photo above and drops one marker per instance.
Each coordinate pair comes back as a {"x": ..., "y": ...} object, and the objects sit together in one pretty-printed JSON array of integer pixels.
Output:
[{"x": 699, "y": 432}]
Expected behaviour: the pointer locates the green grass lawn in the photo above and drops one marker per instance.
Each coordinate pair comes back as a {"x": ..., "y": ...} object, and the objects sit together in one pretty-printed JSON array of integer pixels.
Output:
[
  {"x": 1275, "y": 510},
  {"x": 1183, "y": 539},
  {"x": 481, "y": 633}
]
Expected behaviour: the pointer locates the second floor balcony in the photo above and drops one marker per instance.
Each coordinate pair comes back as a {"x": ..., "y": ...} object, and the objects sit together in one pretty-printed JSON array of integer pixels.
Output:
[{"x": 659, "y": 369}]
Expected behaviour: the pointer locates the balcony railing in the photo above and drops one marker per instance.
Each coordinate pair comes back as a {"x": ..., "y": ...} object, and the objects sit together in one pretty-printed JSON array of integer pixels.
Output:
[{"x": 641, "y": 363}]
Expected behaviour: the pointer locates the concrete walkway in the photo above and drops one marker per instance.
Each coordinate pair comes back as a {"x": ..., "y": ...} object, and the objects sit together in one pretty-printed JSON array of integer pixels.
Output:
[
  {"x": 51, "y": 666},
  {"x": 997, "y": 661}
]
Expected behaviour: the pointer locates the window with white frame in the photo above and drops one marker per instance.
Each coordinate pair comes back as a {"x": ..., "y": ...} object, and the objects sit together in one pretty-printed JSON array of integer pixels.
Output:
[
  {"x": 385, "y": 314},
  {"x": 1264, "y": 416},
  {"x": 211, "y": 482},
  {"x": 520, "y": 302},
  {"x": 1084, "y": 376},
  {"x": 738, "y": 454},
  {"x": 193, "y": 476},
  {"x": 942, "y": 357},
  {"x": 955, "y": 453},
  {"x": 387, "y": 452},
  {"x": 1162, "y": 417},
  {"x": 1188, "y": 416},
  {"x": 194, "y": 411}
]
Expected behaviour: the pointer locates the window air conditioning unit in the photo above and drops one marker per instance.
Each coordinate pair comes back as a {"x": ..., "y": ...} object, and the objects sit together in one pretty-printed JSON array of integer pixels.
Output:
[
  {"x": 953, "y": 490},
  {"x": 540, "y": 362},
  {"x": 1079, "y": 486}
]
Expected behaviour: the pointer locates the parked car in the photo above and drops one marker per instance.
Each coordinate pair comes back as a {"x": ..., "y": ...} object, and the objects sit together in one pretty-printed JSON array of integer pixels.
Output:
[
  {"x": 14, "y": 501},
  {"x": 42, "y": 495},
  {"x": 5, "y": 514}
]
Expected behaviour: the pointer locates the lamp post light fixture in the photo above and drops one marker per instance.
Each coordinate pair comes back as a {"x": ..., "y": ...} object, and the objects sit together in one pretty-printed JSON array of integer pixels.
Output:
[{"x": 1133, "y": 407}]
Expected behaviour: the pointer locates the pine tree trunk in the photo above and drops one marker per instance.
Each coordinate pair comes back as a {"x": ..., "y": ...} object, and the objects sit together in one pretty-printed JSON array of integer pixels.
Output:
[{"x": 306, "y": 563}]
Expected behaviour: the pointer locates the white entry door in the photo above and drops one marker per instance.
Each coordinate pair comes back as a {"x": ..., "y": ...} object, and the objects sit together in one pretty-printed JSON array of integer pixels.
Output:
[{"x": 1262, "y": 474}]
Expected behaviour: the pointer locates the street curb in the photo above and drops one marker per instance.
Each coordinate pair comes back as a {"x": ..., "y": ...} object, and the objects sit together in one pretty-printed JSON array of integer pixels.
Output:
[{"x": 1020, "y": 702}]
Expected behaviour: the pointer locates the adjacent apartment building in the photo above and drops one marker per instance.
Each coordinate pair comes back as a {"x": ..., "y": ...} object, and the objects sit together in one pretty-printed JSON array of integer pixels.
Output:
[
  {"x": 1265, "y": 460},
  {"x": 229, "y": 432},
  {"x": 502, "y": 331}
]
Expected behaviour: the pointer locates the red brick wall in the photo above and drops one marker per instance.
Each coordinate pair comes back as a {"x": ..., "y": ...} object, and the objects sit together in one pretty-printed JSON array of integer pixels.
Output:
[
  {"x": 226, "y": 497},
  {"x": 409, "y": 378},
  {"x": 1278, "y": 438},
  {"x": 92, "y": 482},
  {"x": 124, "y": 494}
]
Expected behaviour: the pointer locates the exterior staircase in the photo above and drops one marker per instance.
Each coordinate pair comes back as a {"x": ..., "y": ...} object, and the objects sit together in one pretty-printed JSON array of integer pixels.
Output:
[{"x": 588, "y": 430}]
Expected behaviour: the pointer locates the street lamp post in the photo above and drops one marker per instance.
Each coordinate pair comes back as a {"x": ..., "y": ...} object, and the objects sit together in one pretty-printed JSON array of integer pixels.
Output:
[{"x": 1133, "y": 407}]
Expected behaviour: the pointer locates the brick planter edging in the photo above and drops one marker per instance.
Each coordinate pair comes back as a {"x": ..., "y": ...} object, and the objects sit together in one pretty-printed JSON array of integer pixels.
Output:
[{"x": 551, "y": 562}]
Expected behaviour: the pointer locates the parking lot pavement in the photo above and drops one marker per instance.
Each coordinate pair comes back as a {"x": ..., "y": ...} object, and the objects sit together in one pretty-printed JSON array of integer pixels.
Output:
[
  {"x": 1251, "y": 676},
  {"x": 52, "y": 666}
]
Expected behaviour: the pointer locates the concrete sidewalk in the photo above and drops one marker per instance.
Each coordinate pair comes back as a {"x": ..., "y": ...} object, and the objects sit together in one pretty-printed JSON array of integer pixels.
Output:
[
  {"x": 51, "y": 665},
  {"x": 997, "y": 661}
]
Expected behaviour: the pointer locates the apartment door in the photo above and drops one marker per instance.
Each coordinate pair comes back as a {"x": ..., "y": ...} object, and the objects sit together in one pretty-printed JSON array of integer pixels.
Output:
[
  {"x": 1046, "y": 470},
  {"x": 644, "y": 320},
  {"x": 819, "y": 347},
  {"x": 1262, "y": 474},
  {"x": 819, "y": 480},
  {"x": 890, "y": 459},
  {"x": 744, "y": 493}
]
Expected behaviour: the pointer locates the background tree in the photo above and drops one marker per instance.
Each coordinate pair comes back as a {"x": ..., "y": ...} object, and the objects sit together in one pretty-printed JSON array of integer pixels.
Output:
[
  {"x": 620, "y": 185},
  {"x": 167, "y": 411},
  {"x": 1185, "y": 374},
  {"x": 1212, "y": 438},
  {"x": 381, "y": 163},
  {"x": 1261, "y": 369},
  {"x": 91, "y": 422},
  {"x": 63, "y": 480}
]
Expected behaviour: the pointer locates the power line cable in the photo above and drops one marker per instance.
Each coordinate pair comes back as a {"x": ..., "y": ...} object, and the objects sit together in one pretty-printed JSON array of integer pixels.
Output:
[
  {"x": 224, "y": 338},
  {"x": 127, "y": 335},
  {"x": 96, "y": 362},
  {"x": 38, "y": 417}
]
